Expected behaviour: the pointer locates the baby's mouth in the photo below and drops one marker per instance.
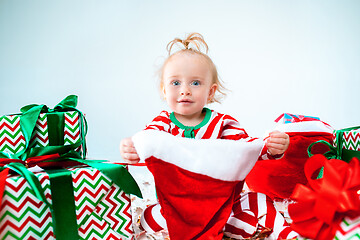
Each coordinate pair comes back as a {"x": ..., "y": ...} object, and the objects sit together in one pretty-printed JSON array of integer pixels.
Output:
[{"x": 186, "y": 101}]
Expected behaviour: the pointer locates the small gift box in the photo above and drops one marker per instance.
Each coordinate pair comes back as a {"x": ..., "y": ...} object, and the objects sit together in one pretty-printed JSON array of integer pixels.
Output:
[
  {"x": 291, "y": 118},
  {"x": 39, "y": 130},
  {"x": 347, "y": 143},
  {"x": 69, "y": 203}
]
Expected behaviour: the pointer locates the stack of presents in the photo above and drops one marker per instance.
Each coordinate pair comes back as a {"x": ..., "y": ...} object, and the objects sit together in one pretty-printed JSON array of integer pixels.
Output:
[{"x": 49, "y": 190}]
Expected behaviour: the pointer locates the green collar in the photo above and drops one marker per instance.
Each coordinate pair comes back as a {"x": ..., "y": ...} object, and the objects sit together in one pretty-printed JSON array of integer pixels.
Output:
[{"x": 189, "y": 131}]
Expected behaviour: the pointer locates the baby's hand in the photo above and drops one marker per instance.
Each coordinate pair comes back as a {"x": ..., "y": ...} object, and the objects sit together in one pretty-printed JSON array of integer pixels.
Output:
[
  {"x": 277, "y": 143},
  {"x": 128, "y": 151}
]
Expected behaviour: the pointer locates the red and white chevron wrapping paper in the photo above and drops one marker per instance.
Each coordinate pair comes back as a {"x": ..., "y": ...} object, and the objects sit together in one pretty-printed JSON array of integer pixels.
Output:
[
  {"x": 12, "y": 139},
  {"x": 102, "y": 208},
  {"x": 350, "y": 139}
]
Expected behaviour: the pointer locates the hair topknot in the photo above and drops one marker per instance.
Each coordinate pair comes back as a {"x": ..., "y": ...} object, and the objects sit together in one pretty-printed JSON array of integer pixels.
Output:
[{"x": 192, "y": 40}]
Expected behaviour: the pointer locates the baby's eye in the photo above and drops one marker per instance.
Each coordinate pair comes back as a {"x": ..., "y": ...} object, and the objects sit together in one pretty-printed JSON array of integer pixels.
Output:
[
  {"x": 175, "y": 83},
  {"x": 195, "y": 83}
]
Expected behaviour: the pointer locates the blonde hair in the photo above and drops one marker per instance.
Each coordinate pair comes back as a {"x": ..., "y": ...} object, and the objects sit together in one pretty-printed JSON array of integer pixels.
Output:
[{"x": 192, "y": 45}]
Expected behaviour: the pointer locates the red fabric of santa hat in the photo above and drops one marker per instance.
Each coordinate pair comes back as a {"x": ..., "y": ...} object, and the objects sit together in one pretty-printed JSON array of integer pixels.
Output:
[
  {"x": 278, "y": 178},
  {"x": 195, "y": 179}
]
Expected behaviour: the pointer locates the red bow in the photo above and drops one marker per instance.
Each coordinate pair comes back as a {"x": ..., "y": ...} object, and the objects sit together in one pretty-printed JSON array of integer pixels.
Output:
[
  {"x": 41, "y": 161},
  {"x": 45, "y": 161},
  {"x": 321, "y": 206},
  {"x": 30, "y": 162}
]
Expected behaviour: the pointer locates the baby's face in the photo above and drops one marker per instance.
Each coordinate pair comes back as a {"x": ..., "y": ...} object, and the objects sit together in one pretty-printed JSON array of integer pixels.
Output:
[{"x": 188, "y": 86}]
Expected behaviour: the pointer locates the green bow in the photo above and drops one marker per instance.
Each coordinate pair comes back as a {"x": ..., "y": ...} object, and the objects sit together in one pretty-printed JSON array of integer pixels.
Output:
[
  {"x": 333, "y": 153},
  {"x": 28, "y": 119},
  {"x": 338, "y": 152}
]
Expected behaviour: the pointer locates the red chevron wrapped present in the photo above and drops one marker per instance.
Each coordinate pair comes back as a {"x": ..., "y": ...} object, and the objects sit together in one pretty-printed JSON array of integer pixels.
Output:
[
  {"x": 13, "y": 140},
  {"x": 39, "y": 127},
  {"x": 100, "y": 209}
]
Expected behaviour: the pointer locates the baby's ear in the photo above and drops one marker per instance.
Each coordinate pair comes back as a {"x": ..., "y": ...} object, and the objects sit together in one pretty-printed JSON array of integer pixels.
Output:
[
  {"x": 212, "y": 92},
  {"x": 163, "y": 92}
]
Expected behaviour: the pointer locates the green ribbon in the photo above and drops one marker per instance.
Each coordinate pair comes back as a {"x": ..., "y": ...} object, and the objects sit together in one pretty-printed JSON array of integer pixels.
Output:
[
  {"x": 64, "y": 211},
  {"x": 333, "y": 153},
  {"x": 30, "y": 178},
  {"x": 336, "y": 152},
  {"x": 116, "y": 172},
  {"x": 62, "y": 150},
  {"x": 56, "y": 125},
  {"x": 27, "y": 125}
]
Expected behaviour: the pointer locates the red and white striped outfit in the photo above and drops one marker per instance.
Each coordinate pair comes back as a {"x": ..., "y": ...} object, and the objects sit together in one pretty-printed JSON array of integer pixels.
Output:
[{"x": 251, "y": 211}]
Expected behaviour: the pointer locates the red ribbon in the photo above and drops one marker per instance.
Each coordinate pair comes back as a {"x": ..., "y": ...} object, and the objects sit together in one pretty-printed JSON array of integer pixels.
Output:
[
  {"x": 41, "y": 161},
  {"x": 132, "y": 164},
  {"x": 321, "y": 206},
  {"x": 45, "y": 161},
  {"x": 30, "y": 162}
]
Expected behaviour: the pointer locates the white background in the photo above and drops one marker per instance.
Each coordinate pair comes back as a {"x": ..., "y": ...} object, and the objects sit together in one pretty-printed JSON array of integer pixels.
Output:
[{"x": 275, "y": 56}]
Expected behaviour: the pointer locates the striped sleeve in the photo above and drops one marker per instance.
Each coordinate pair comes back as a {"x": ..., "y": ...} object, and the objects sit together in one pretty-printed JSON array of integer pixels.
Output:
[
  {"x": 161, "y": 122},
  {"x": 231, "y": 130}
]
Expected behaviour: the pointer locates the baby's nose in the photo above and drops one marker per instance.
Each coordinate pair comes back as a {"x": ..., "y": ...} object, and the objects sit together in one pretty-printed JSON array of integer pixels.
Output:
[{"x": 185, "y": 91}]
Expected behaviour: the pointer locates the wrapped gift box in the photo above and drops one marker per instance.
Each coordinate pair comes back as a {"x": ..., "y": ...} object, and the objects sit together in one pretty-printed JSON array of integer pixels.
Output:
[
  {"x": 40, "y": 127},
  {"x": 13, "y": 141},
  {"x": 102, "y": 208},
  {"x": 350, "y": 139},
  {"x": 347, "y": 142}
]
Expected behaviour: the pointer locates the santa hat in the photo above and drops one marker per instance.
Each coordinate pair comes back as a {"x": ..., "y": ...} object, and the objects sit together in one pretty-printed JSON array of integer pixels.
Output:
[
  {"x": 278, "y": 178},
  {"x": 195, "y": 180}
]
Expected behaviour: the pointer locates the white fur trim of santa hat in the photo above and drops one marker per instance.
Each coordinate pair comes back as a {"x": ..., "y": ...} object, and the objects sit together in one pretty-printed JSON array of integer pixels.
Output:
[
  {"x": 221, "y": 159},
  {"x": 307, "y": 126}
]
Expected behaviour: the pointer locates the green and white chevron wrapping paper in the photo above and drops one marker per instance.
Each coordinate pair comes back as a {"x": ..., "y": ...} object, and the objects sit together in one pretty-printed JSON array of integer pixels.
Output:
[
  {"x": 11, "y": 137},
  {"x": 350, "y": 139},
  {"x": 102, "y": 208},
  {"x": 12, "y": 140}
]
